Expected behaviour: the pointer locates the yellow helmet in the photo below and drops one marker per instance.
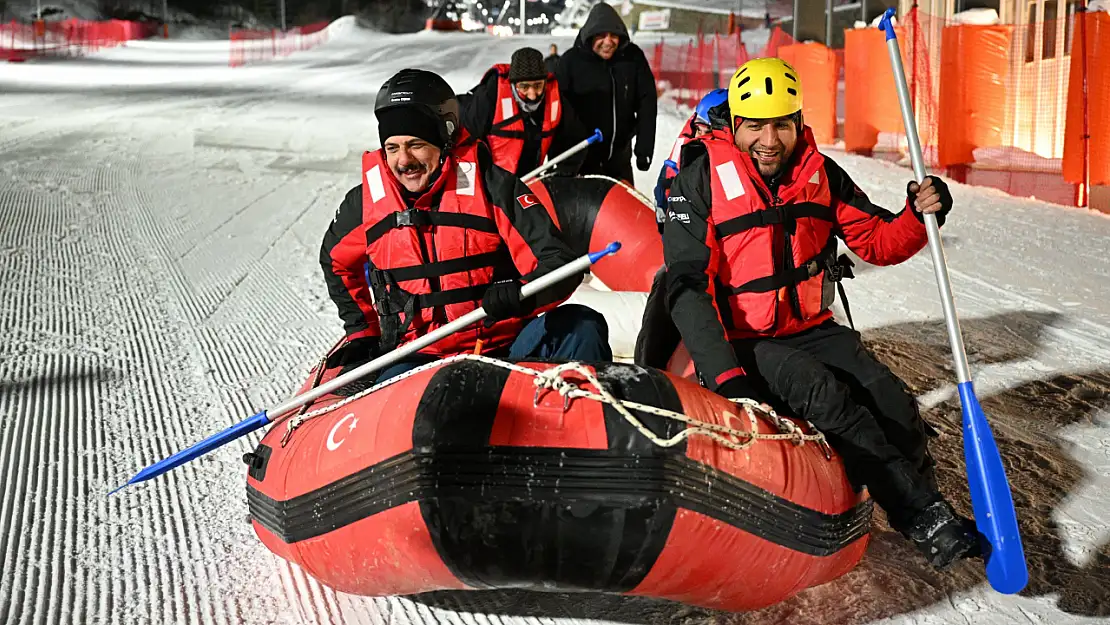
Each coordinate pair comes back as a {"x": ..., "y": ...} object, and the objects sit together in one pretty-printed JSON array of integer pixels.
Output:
[{"x": 764, "y": 88}]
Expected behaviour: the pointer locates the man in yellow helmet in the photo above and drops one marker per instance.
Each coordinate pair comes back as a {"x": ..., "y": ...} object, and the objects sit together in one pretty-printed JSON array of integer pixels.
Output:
[{"x": 750, "y": 248}]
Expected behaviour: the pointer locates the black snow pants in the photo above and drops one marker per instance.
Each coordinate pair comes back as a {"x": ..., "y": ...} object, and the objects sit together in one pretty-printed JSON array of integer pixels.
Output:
[{"x": 826, "y": 376}]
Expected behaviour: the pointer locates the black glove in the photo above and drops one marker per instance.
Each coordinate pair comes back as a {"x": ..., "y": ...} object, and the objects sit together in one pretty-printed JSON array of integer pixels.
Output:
[
  {"x": 643, "y": 163},
  {"x": 945, "y": 199},
  {"x": 502, "y": 301},
  {"x": 738, "y": 387},
  {"x": 355, "y": 353}
]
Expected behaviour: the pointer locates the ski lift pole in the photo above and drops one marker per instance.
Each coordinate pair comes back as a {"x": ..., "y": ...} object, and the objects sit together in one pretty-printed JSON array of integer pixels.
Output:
[
  {"x": 571, "y": 151},
  {"x": 266, "y": 417}
]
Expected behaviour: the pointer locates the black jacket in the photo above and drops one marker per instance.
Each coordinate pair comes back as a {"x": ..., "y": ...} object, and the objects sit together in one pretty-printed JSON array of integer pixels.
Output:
[
  {"x": 477, "y": 112},
  {"x": 619, "y": 91}
]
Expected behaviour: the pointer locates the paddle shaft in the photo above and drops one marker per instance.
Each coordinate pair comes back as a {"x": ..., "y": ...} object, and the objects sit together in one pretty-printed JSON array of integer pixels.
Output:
[
  {"x": 936, "y": 251},
  {"x": 574, "y": 267},
  {"x": 571, "y": 151}
]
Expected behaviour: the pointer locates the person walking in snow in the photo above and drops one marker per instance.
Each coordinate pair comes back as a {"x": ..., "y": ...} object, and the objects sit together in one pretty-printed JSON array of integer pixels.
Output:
[
  {"x": 518, "y": 110},
  {"x": 551, "y": 62},
  {"x": 750, "y": 249},
  {"x": 437, "y": 229},
  {"x": 607, "y": 79}
]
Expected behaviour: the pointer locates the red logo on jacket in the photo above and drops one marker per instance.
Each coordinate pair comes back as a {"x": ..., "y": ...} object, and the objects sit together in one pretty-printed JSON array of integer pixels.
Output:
[{"x": 527, "y": 200}]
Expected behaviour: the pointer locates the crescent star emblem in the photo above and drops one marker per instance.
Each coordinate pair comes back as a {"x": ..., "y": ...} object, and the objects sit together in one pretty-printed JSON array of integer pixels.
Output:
[{"x": 331, "y": 442}]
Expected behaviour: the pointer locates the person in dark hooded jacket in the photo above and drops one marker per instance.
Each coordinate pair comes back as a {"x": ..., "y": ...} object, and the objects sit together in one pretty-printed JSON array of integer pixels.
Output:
[{"x": 608, "y": 81}]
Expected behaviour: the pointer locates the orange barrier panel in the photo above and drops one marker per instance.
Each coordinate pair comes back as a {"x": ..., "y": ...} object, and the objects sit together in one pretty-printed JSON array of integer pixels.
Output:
[
  {"x": 975, "y": 63},
  {"x": 817, "y": 70},
  {"x": 1092, "y": 34},
  {"x": 870, "y": 97}
]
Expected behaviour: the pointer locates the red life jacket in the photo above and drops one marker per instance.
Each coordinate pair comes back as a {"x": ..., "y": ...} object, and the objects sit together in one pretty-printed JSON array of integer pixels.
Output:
[
  {"x": 777, "y": 263},
  {"x": 430, "y": 265},
  {"x": 506, "y": 136},
  {"x": 675, "y": 156}
]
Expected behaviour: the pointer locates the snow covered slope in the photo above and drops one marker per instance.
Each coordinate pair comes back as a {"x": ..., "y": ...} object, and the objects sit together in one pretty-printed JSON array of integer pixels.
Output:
[{"x": 160, "y": 221}]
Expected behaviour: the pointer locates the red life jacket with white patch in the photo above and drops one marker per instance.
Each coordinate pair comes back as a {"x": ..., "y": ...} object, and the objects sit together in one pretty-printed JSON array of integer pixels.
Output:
[
  {"x": 506, "y": 136},
  {"x": 675, "y": 156},
  {"x": 430, "y": 265},
  {"x": 777, "y": 264}
]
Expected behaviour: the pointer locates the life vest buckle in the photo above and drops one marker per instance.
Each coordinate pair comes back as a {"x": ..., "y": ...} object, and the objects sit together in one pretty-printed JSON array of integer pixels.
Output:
[
  {"x": 403, "y": 218},
  {"x": 841, "y": 268}
]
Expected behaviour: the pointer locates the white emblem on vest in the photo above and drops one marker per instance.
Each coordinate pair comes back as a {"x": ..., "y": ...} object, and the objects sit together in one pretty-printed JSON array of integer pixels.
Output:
[
  {"x": 506, "y": 107},
  {"x": 554, "y": 110},
  {"x": 730, "y": 180},
  {"x": 374, "y": 180},
  {"x": 816, "y": 179},
  {"x": 464, "y": 178}
]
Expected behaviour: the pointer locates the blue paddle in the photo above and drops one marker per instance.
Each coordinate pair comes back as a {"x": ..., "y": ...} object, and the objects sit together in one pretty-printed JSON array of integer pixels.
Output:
[
  {"x": 991, "y": 499},
  {"x": 267, "y": 416}
]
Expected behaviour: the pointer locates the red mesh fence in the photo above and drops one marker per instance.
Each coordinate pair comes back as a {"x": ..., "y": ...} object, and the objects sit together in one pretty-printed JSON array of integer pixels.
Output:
[
  {"x": 253, "y": 46},
  {"x": 71, "y": 37}
]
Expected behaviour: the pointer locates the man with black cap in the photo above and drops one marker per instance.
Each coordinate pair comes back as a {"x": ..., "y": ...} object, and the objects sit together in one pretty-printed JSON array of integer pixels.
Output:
[
  {"x": 517, "y": 109},
  {"x": 435, "y": 230},
  {"x": 608, "y": 80}
]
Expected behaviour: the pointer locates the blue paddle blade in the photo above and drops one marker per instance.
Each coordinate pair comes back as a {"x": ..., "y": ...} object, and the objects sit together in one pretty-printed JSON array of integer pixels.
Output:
[
  {"x": 609, "y": 249},
  {"x": 199, "y": 449},
  {"x": 991, "y": 499}
]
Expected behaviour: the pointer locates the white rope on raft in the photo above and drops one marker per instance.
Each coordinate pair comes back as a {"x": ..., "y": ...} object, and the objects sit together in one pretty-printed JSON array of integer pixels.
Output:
[{"x": 552, "y": 379}]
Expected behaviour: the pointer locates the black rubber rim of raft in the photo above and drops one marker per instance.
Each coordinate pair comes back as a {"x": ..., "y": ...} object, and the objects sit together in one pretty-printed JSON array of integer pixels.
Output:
[{"x": 559, "y": 476}]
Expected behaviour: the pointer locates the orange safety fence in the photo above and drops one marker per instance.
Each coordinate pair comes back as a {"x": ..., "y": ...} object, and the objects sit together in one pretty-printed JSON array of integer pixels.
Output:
[
  {"x": 817, "y": 68},
  {"x": 1087, "y": 135},
  {"x": 991, "y": 101},
  {"x": 252, "y": 46},
  {"x": 694, "y": 68},
  {"x": 72, "y": 37}
]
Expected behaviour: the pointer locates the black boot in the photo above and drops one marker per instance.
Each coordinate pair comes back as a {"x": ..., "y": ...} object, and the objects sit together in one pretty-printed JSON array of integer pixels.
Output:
[{"x": 943, "y": 536}]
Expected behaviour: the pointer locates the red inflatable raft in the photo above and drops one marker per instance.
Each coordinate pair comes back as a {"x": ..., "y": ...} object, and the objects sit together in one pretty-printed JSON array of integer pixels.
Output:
[
  {"x": 465, "y": 476},
  {"x": 591, "y": 211}
]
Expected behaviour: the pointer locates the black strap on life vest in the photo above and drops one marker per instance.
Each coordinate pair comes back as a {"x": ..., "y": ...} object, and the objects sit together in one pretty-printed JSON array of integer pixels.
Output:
[
  {"x": 839, "y": 270},
  {"x": 418, "y": 218},
  {"x": 836, "y": 270},
  {"x": 397, "y": 307},
  {"x": 455, "y": 265},
  {"x": 769, "y": 216}
]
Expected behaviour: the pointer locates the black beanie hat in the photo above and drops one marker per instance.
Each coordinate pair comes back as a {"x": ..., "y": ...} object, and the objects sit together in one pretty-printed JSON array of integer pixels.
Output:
[
  {"x": 527, "y": 64},
  {"x": 409, "y": 121}
]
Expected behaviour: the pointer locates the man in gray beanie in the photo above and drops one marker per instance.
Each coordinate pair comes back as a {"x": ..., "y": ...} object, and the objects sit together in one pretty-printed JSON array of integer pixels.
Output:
[{"x": 517, "y": 109}]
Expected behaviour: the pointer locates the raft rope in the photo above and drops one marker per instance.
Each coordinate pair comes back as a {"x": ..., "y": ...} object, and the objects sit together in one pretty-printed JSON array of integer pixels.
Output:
[{"x": 553, "y": 380}]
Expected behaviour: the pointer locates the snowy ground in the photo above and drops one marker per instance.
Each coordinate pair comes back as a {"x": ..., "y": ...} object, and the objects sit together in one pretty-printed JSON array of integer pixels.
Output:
[{"x": 160, "y": 220}]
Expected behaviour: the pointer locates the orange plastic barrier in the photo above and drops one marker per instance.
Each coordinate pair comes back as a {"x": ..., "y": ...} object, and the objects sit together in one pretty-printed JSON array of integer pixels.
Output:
[
  {"x": 817, "y": 69},
  {"x": 1089, "y": 112},
  {"x": 975, "y": 64},
  {"x": 870, "y": 97}
]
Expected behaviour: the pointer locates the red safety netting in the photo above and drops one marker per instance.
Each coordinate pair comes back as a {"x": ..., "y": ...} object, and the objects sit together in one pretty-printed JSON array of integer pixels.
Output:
[
  {"x": 697, "y": 66},
  {"x": 71, "y": 37},
  {"x": 253, "y": 46}
]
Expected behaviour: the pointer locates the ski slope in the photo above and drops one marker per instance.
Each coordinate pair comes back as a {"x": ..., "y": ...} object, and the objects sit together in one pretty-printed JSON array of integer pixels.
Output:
[{"x": 160, "y": 223}]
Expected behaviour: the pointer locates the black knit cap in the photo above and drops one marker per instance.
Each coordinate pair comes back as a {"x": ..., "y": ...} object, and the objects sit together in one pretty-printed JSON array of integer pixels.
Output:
[
  {"x": 527, "y": 64},
  {"x": 409, "y": 121}
]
